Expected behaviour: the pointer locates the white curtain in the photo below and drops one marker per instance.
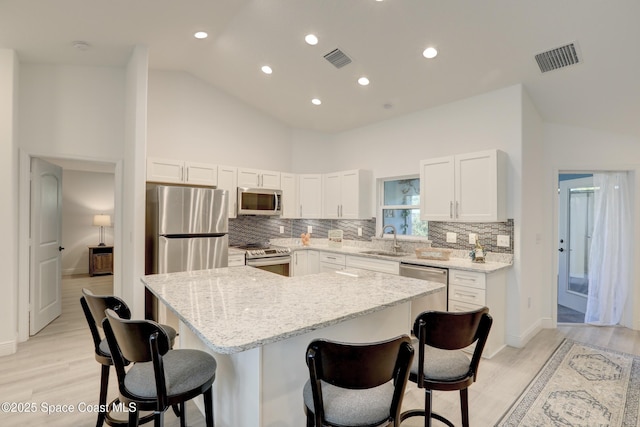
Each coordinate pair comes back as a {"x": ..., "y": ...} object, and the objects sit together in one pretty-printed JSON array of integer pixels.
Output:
[{"x": 611, "y": 247}]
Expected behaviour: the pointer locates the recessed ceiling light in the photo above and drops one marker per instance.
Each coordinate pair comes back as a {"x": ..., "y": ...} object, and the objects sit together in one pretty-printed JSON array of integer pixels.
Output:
[
  {"x": 311, "y": 39},
  {"x": 201, "y": 35},
  {"x": 430, "y": 52},
  {"x": 266, "y": 69},
  {"x": 363, "y": 81},
  {"x": 316, "y": 101}
]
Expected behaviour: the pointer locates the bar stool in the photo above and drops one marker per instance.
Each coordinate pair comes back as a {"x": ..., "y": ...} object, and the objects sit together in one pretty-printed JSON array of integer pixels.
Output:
[
  {"x": 157, "y": 377},
  {"x": 94, "y": 307},
  {"x": 441, "y": 364},
  {"x": 356, "y": 384}
]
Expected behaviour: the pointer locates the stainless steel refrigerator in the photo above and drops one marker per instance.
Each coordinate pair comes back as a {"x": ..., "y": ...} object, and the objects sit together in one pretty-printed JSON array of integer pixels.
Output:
[{"x": 186, "y": 228}]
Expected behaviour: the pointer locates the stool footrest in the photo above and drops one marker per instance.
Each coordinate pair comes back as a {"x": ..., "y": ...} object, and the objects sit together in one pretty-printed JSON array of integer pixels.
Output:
[{"x": 421, "y": 413}]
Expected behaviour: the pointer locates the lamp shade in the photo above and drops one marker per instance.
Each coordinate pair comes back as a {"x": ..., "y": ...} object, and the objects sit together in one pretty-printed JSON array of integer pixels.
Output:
[{"x": 102, "y": 220}]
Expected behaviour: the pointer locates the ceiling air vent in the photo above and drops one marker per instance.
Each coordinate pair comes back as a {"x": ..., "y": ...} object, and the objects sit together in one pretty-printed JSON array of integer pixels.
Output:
[
  {"x": 559, "y": 57},
  {"x": 338, "y": 58}
]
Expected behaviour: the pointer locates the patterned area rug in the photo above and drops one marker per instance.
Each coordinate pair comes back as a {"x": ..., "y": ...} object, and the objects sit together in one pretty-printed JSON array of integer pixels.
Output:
[{"x": 580, "y": 385}]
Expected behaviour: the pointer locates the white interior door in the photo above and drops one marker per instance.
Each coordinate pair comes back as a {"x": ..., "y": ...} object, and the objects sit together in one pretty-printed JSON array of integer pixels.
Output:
[
  {"x": 46, "y": 245},
  {"x": 575, "y": 221}
]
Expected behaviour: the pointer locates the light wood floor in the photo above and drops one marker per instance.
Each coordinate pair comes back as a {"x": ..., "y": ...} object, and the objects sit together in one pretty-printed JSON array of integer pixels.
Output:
[{"x": 57, "y": 367}]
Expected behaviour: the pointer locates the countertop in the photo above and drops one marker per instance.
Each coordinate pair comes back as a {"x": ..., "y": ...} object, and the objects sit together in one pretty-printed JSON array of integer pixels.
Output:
[
  {"x": 455, "y": 263},
  {"x": 239, "y": 308}
]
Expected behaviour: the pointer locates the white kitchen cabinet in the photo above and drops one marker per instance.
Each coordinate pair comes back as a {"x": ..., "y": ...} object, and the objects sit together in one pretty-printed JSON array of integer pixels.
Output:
[
  {"x": 255, "y": 178},
  {"x": 470, "y": 290},
  {"x": 181, "y": 172},
  {"x": 236, "y": 259},
  {"x": 305, "y": 262},
  {"x": 228, "y": 180},
  {"x": 310, "y": 196},
  {"x": 330, "y": 261},
  {"x": 289, "y": 187},
  {"x": 467, "y": 187},
  {"x": 373, "y": 264},
  {"x": 347, "y": 194}
]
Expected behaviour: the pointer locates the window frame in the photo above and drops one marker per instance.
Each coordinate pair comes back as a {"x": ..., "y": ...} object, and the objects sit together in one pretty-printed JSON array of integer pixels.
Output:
[{"x": 380, "y": 206}]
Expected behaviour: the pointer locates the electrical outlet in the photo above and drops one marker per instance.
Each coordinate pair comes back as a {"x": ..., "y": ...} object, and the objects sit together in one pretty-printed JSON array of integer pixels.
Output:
[
  {"x": 309, "y": 229},
  {"x": 503, "y": 241},
  {"x": 281, "y": 229},
  {"x": 472, "y": 238},
  {"x": 452, "y": 237},
  {"x": 360, "y": 231}
]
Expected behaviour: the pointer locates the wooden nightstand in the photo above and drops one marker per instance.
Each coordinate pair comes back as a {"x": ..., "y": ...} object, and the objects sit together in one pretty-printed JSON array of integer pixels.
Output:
[{"x": 100, "y": 260}]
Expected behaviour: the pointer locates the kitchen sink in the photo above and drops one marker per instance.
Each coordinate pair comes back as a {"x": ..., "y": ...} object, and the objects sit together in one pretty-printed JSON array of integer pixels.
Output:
[{"x": 386, "y": 253}]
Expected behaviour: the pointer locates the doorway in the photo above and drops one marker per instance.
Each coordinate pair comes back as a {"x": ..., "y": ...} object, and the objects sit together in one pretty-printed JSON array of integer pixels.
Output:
[{"x": 575, "y": 229}]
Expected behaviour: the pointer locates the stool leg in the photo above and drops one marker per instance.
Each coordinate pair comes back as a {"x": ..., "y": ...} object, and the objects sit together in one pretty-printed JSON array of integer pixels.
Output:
[
  {"x": 464, "y": 406},
  {"x": 208, "y": 407},
  {"x": 104, "y": 385},
  {"x": 427, "y": 408},
  {"x": 134, "y": 418},
  {"x": 183, "y": 415}
]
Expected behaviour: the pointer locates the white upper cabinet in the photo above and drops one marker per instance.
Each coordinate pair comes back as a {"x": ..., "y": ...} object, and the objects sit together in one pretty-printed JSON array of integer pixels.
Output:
[
  {"x": 228, "y": 180},
  {"x": 310, "y": 196},
  {"x": 255, "y": 178},
  {"x": 301, "y": 195},
  {"x": 467, "y": 188},
  {"x": 181, "y": 172},
  {"x": 289, "y": 187},
  {"x": 347, "y": 194}
]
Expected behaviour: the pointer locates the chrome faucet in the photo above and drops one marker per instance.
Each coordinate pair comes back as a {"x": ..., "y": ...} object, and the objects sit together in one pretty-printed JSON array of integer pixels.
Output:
[{"x": 395, "y": 240}]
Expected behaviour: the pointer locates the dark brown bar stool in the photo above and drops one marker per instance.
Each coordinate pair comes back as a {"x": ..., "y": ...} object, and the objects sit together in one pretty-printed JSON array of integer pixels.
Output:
[
  {"x": 94, "y": 307},
  {"x": 356, "y": 384},
  {"x": 441, "y": 364},
  {"x": 157, "y": 377}
]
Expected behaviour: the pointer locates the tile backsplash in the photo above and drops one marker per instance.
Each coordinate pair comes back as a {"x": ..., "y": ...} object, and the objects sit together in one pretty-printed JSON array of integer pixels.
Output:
[{"x": 250, "y": 229}]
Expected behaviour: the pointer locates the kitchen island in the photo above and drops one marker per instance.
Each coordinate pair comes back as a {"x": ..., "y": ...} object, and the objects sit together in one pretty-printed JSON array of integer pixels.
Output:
[{"x": 258, "y": 325}]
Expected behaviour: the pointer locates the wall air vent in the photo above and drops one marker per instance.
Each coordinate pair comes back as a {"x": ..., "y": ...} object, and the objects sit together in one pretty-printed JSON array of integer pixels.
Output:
[
  {"x": 338, "y": 58},
  {"x": 559, "y": 57}
]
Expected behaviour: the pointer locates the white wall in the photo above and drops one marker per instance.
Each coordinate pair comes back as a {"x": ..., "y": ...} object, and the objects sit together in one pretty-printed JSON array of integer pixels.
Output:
[
  {"x": 84, "y": 194},
  {"x": 192, "y": 120},
  {"x": 569, "y": 148},
  {"x": 9, "y": 195}
]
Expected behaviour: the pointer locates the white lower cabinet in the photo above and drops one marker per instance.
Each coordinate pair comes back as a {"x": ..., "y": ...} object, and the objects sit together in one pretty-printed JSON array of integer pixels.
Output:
[
  {"x": 236, "y": 260},
  {"x": 470, "y": 290},
  {"x": 372, "y": 264},
  {"x": 305, "y": 262},
  {"x": 330, "y": 261}
]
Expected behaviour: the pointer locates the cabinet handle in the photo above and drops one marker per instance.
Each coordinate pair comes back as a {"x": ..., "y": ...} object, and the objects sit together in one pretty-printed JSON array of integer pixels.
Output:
[
  {"x": 465, "y": 295},
  {"x": 338, "y": 209},
  {"x": 301, "y": 211},
  {"x": 451, "y": 209}
]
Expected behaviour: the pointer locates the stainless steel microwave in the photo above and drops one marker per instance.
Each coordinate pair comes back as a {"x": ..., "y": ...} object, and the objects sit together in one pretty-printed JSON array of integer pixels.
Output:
[{"x": 259, "y": 201}]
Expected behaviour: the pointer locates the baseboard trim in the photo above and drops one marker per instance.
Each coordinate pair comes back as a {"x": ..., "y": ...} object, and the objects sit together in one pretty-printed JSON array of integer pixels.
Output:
[
  {"x": 8, "y": 347},
  {"x": 74, "y": 271},
  {"x": 521, "y": 340}
]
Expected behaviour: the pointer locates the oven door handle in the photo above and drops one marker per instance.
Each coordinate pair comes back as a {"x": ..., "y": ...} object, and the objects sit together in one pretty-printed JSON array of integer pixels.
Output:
[{"x": 261, "y": 262}]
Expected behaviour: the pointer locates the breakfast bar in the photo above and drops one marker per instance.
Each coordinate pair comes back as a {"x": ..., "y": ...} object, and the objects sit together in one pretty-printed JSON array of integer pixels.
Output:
[{"x": 258, "y": 325}]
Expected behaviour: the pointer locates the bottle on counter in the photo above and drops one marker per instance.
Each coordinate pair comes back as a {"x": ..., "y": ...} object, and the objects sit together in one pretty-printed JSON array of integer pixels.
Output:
[{"x": 478, "y": 252}]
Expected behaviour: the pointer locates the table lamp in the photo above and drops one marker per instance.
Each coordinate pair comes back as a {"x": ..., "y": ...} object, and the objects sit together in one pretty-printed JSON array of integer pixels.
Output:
[{"x": 102, "y": 221}]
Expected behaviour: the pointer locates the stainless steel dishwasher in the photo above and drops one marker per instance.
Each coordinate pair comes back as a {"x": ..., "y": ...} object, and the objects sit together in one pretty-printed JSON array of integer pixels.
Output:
[{"x": 437, "y": 301}]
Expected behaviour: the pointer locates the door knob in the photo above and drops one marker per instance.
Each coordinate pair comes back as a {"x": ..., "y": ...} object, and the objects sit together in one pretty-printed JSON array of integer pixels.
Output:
[
  {"x": 60, "y": 249},
  {"x": 561, "y": 249}
]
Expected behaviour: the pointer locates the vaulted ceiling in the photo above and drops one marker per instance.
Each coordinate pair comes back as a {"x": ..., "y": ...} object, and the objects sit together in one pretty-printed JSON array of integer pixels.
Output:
[{"x": 482, "y": 45}]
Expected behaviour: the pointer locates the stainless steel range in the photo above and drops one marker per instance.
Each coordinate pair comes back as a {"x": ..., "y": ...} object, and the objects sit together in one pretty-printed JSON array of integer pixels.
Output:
[{"x": 276, "y": 259}]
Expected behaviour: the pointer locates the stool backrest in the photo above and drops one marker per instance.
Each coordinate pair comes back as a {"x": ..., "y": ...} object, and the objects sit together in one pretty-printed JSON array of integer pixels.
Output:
[{"x": 97, "y": 305}]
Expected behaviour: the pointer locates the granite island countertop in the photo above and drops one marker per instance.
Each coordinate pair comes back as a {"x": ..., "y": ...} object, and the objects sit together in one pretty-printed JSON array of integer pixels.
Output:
[{"x": 235, "y": 309}]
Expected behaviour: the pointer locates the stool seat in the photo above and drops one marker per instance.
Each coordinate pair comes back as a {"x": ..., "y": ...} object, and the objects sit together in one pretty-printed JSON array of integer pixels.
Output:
[{"x": 441, "y": 365}]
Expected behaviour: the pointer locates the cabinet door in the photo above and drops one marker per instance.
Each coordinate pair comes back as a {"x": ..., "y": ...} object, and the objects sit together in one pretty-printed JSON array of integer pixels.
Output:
[
  {"x": 165, "y": 170},
  {"x": 356, "y": 195},
  {"x": 299, "y": 263},
  {"x": 310, "y": 196},
  {"x": 201, "y": 173},
  {"x": 289, "y": 186},
  {"x": 476, "y": 187},
  {"x": 270, "y": 179},
  {"x": 248, "y": 178},
  {"x": 331, "y": 185},
  {"x": 437, "y": 177},
  {"x": 227, "y": 180},
  {"x": 313, "y": 262}
]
